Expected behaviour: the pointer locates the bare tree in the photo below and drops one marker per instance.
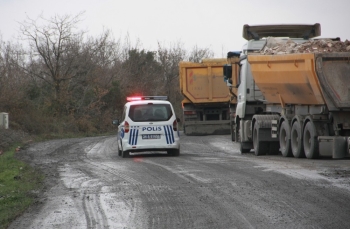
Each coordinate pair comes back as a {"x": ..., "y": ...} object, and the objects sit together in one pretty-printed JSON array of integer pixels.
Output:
[
  {"x": 197, "y": 54},
  {"x": 12, "y": 82},
  {"x": 169, "y": 59},
  {"x": 54, "y": 50}
]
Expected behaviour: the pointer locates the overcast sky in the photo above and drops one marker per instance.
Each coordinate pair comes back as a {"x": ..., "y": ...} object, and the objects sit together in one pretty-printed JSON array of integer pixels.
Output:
[{"x": 213, "y": 24}]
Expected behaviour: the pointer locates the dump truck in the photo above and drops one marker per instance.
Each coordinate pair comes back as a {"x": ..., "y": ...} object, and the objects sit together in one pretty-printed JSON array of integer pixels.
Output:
[
  {"x": 294, "y": 103},
  {"x": 207, "y": 99}
]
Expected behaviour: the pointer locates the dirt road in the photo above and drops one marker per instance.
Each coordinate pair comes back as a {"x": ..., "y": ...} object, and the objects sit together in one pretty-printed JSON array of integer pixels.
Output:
[{"x": 210, "y": 185}]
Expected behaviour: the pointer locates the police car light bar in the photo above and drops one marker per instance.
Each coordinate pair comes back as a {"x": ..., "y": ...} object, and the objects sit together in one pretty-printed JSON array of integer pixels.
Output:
[
  {"x": 135, "y": 98},
  {"x": 138, "y": 98}
]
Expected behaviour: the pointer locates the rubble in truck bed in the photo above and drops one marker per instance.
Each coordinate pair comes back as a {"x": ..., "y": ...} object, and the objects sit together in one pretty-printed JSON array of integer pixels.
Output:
[{"x": 275, "y": 46}]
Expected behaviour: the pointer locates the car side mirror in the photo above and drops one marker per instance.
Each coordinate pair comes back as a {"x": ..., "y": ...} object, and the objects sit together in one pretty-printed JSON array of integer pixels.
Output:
[
  {"x": 178, "y": 119},
  {"x": 115, "y": 122}
]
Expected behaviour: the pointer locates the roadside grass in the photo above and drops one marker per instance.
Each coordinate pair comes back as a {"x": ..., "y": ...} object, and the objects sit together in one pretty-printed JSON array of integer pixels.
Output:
[{"x": 18, "y": 183}]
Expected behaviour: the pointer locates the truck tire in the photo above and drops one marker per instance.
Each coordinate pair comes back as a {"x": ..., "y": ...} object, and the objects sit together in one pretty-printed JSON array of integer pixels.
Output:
[
  {"x": 260, "y": 147},
  {"x": 296, "y": 141},
  {"x": 232, "y": 132},
  {"x": 310, "y": 141},
  {"x": 244, "y": 147},
  {"x": 284, "y": 138}
]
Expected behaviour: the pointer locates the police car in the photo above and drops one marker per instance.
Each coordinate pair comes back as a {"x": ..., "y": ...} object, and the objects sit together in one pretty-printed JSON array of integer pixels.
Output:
[{"x": 148, "y": 123}]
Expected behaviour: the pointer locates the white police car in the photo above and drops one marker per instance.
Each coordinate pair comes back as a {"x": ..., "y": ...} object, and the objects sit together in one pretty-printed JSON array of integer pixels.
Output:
[{"x": 148, "y": 123}]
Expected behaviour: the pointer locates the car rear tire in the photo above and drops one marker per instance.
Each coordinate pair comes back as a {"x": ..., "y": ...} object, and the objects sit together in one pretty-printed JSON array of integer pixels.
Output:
[
  {"x": 119, "y": 151},
  {"x": 125, "y": 154},
  {"x": 174, "y": 152}
]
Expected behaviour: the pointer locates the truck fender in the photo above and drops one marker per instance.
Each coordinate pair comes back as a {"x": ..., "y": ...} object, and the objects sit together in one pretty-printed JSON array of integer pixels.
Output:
[
  {"x": 321, "y": 127},
  {"x": 300, "y": 119},
  {"x": 281, "y": 120}
]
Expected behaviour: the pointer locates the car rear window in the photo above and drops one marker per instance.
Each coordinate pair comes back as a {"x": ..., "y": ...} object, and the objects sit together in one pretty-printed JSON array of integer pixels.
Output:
[{"x": 150, "y": 112}]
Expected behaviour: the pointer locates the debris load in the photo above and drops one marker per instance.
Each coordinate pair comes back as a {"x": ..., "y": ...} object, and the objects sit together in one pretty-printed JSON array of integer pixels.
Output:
[{"x": 276, "y": 46}]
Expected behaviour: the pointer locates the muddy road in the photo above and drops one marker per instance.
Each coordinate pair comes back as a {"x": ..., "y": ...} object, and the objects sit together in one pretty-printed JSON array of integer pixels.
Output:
[{"x": 210, "y": 185}]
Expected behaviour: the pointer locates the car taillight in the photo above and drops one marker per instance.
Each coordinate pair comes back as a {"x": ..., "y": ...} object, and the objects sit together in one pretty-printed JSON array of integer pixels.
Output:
[
  {"x": 175, "y": 125},
  {"x": 126, "y": 127}
]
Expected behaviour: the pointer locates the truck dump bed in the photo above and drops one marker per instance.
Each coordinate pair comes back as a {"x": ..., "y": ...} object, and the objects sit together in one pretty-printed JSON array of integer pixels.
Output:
[
  {"x": 206, "y": 97},
  {"x": 333, "y": 71},
  {"x": 204, "y": 82},
  {"x": 307, "y": 78}
]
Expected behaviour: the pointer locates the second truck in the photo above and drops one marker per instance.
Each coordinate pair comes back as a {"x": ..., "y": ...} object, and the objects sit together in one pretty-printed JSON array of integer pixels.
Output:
[
  {"x": 294, "y": 103},
  {"x": 206, "y": 97}
]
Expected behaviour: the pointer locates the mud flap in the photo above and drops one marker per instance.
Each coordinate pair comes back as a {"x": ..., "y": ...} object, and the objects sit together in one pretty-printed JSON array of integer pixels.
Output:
[{"x": 333, "y": 146}]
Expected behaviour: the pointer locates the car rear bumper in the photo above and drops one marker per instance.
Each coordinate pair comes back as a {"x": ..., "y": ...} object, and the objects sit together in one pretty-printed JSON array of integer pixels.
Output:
[{"x": 150, "y": 146}]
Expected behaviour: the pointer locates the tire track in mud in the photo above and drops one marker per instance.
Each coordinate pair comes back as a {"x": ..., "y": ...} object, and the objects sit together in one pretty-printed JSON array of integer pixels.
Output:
[
  {"x": 112, "y": 178},
  {"x": 156, "y": 198},
  {"x": 74, "y": 163},
  {"x": 181, "y": 194}
]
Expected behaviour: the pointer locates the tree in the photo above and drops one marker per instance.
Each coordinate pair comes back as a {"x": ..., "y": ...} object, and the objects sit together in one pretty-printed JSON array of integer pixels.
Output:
[
  {"x": 54, "y": 48},
  {"x": 141, "y": 72},
  {"x": 169, "y": 59},
  {"x": 12, "y": 83},
  {"x": 197, "y": 54}
]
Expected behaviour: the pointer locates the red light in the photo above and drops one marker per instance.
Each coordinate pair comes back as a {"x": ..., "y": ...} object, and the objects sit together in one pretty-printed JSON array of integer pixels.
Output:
[
  {"x": 130, "y": 99},
  {"x": 126, "y": 127}
]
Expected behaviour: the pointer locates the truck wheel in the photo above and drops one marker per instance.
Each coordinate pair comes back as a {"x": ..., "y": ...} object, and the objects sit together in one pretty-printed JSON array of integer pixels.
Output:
[
  {"x": 310, "y": 141},
  {"x": 260, "y": 147},
  {"x": 285, "y": 144},
  {"x": 233, "y": 133},
  {"x": 296, "y": 141},
  {"x": 244, "y": 147}
]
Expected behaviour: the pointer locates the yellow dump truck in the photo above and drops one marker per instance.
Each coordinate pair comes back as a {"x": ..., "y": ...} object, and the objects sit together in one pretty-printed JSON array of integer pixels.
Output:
[
  {"x": 207, "y": 102},
  {"x": 298, "y": 103}
]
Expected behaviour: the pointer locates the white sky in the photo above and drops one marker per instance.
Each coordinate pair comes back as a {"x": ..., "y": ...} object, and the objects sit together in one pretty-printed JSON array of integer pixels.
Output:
[{"x": 214, "y": 24}]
